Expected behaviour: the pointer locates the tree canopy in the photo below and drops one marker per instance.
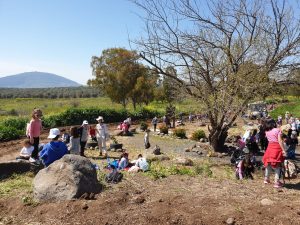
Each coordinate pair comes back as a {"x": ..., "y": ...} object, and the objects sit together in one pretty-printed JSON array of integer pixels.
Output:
[{"x": 226, "y": 53}]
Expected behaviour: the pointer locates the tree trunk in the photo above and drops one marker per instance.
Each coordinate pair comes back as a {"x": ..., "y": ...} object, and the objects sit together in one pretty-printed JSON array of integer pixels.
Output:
[{"x": 217, "y": 138}]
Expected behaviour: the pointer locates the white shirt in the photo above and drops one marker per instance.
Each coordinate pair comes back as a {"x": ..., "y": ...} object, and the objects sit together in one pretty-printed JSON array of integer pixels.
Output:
[
  {"x": 27, "y": 151},
  {"x": 101, "y": 130}
]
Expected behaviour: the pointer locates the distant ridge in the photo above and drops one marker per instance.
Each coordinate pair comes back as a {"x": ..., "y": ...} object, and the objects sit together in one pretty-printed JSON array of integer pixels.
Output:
[{"x": 36, "y": 80}]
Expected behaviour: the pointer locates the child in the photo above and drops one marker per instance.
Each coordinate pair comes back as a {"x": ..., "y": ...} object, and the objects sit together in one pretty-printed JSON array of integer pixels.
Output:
[
  {"x": 93, "y": 133},
  {"x": 84, "y": 135},
  {"x": 54, "y": 150},
  {"x": 124, "y": 162},
  {"x": 245, "y": 167},
  {"x": 34, "y": 131},
  {"x": 146, "y": 139},
  {"x": 65, "y": 137},
  {"x": 141, "y": 164},
  {"x": 102, "y": 135},
  {"x": 74, "y": 147},
  {"x": 273, "y": 157},
  {"x": 291, "y": 142},
  {"x": 26, "y": 151}
]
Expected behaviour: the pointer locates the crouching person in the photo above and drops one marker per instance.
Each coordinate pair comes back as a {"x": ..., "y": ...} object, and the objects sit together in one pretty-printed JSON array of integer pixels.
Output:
[
  {"x": 245, "y": 167},
  {"x": 141, "y": 164},
  {"x": 53, "y": 150}
]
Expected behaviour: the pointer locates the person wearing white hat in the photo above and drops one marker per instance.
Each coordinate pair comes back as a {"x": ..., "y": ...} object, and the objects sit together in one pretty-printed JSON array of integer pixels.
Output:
[
  {"x": 102, "y": 135},
  {"x": 54, "y": 150},
  {"x": 84, "y": 135}
]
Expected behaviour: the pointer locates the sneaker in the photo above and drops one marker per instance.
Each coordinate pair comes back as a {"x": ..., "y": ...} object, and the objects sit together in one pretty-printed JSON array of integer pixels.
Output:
[
  {"x": 278, "y": 184},
  {"x": 32, "y": 160},
  {"x": 267, "y": 181}
]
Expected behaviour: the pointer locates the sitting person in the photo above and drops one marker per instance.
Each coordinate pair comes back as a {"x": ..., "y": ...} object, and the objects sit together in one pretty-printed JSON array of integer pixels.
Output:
[
  {"x": 245, "y": 167},
  {"x": 141, "y": 164},
  {"x": 26, "y": 151},
  {"x": 53, "y": 150},
  {"x": 125, "y": 127},
  {"x": 124, "y": 162}
]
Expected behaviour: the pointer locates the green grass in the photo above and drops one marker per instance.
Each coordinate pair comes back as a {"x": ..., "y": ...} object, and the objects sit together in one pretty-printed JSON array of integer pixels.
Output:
[
  {"x": 293, "y": 107},
  {"x": 17, "y": 184},
  {"x": 24, "y": 106}
]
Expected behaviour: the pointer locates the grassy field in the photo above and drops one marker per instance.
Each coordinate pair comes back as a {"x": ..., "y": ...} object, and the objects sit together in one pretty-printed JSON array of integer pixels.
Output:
[{"x": 23, "y": 106}]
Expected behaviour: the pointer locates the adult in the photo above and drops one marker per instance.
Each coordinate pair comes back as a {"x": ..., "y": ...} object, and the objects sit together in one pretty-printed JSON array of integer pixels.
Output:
[
  {"x": 34, "y": 132},
  {"x": 102, "y": 135},
  {"x": 53, "y": 150},
  {"x": 287, "y": 117},
  {"x": 154, "y": 123},
  {"x": 84, "y": 135}
]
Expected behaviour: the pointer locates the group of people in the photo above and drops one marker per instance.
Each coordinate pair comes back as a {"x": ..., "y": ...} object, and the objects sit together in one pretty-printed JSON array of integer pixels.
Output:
[
  {"x": 61, "y": 142},
  {"x": 278, "y": 144}
]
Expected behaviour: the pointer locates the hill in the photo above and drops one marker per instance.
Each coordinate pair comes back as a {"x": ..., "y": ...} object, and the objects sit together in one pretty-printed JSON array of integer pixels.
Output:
[{"x": 36, "y": 80}]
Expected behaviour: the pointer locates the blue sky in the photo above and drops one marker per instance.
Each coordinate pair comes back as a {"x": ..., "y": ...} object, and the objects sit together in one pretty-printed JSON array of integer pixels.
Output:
[{"x": 61, "y": 36}]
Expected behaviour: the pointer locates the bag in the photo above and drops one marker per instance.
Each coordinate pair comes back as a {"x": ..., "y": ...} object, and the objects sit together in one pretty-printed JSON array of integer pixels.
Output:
[
  {"x": 114, "y": 177},
  {"x": 156, "y": 150},
  {"x": 290, "y": 169}
]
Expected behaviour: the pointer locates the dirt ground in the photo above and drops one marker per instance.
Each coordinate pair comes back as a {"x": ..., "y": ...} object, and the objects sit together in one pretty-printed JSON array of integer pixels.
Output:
[{"x": 176, "y": 199}]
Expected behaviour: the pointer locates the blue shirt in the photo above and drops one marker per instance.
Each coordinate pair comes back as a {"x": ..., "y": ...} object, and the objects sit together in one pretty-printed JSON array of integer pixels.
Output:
[{"x": 53, "y": 151}]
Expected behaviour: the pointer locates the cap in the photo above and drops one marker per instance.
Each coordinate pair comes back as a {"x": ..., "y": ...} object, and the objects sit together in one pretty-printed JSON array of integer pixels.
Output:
[
  {"x": 246, "y": 150},
  {"x": 99, "y": 118},
  {"x": 85, "y": 122},
  {"x": 53, "y": 133}
]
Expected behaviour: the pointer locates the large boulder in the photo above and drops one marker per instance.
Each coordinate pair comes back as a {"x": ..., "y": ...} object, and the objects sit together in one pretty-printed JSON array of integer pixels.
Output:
[
  {"x": 153, "y": 158},
  {"x": 70, "y": 177},
  {"x": 183, "y": 161}
]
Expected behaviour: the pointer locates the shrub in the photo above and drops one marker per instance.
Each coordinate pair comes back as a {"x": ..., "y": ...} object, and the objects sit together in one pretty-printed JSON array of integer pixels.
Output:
[
  {"x": 143, "y": 126},
  {"x": 198, "y": 134},
  {"x": 179, "y": 132},
  {"x": 9, "y": 133},
  {"x": 163, "y": 129},
  {"x": 17, "y": 123}
]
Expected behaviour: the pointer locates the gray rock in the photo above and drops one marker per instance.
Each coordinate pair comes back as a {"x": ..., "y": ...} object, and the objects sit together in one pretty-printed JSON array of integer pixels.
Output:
[
  {"x": 66, "y": 179},
  {"x": 187, "y": 150},
  {"x": 230, "y": 221},
  {"x": 184, "y": 161},
  {"x": 266, "y": 202}
]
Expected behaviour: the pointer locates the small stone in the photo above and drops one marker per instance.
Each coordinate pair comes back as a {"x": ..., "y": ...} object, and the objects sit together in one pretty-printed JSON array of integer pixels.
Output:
[
  {"x": 266, "y": 202},
  {"x": 160, "y": 200},
  {"x": 298, "y": 213},
  {"x": 85, "y": 206},
  {"x": 187, "y": 150},
  {"x": 230, "y": 221},
  {"x": 139, "y": 200}
]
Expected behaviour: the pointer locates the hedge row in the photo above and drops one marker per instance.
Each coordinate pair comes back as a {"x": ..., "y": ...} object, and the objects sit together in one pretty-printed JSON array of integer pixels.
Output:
[{"x": 11, "y": 129}]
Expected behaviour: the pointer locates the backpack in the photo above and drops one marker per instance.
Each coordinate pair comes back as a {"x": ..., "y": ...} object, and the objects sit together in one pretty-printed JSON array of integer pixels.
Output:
[
  {"x": 290, "y": 169},
  {"x": 114, "y": 177},
  {"x": 156, "y": 150}
]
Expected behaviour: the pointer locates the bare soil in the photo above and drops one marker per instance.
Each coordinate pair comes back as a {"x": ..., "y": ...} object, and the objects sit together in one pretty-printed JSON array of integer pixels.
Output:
[{"x": 177, "y": 199}]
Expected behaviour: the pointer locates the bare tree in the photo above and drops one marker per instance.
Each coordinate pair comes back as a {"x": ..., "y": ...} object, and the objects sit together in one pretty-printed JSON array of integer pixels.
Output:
[{"x": 225, "y": 52}]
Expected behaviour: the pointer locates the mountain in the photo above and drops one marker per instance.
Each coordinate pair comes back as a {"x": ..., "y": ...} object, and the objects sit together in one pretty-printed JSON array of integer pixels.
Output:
[{"x": 36, "y": 80}]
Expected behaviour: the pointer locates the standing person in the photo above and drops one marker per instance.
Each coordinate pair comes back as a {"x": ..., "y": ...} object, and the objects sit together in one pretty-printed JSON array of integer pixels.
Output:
[
  {"x": 74, "y": 147},
  {"x": 287, "y": 117},
  {"x": 154, "y": 123},
  {"x": 102, "y": 135},
  {"x": 93, "y": 133},
  {"x": 279, "y": 120},
  {"x": 84, "y": 135},
  {"x": 54, "y": 150},
  {"x": 34, "y": 131},
  {"x": 146, "y": 139},
  {"x": 273, "y": 157},
  {"x": 262, "y": 137},
  {"x": 65, "y": 137}
]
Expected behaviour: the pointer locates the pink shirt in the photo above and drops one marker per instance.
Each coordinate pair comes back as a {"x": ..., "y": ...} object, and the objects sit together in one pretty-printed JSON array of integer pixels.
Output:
[
  {"x": 35, "y": 128},
  {"x": 272, "y": 135}
]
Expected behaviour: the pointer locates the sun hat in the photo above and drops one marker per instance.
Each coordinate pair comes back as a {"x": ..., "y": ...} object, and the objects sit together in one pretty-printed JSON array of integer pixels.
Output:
[
  {"x": 53, "y": 133},
  {"x": 85, "y": 122},
  {"x": 99, "y": 118}
]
